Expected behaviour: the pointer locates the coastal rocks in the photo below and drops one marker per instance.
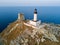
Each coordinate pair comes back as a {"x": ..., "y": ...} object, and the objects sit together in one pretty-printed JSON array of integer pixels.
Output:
[
  {"x": 42, "y": 39},
  {"x": 48, "y": 35},
  {"x": 54, "y": 29},
  {"x": 3, "y": 41},
  {"x": 29, "y": 36},
  {"x": 51, "y": 37}
]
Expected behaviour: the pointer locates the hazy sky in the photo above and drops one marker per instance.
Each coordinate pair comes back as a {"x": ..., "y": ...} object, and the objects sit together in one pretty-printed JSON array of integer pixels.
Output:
[{"x": 29, "y": 2}]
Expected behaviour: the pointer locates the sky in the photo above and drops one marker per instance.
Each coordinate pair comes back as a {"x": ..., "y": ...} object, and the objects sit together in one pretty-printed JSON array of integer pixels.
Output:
[{"x": 29, "y": 2}]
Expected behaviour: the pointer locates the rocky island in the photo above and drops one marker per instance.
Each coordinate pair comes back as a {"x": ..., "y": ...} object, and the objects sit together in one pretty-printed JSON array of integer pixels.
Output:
[{"x": 30, "y": 32}]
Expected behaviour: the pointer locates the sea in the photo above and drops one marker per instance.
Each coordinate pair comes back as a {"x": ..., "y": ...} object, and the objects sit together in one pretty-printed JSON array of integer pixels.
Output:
[{"x": 49, "y": 14}]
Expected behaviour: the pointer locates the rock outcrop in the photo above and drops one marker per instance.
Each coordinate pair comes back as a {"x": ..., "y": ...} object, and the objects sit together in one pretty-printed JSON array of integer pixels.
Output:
[{"x": 19, "y": 34}]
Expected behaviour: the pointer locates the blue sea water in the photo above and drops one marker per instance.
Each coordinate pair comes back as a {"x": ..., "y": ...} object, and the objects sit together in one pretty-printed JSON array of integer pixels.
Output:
[{"x": 49, "y": 14}]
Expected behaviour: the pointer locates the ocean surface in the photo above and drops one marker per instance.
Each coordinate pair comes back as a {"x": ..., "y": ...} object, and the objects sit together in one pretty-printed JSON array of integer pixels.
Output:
[{"x": 49, "y": 14}]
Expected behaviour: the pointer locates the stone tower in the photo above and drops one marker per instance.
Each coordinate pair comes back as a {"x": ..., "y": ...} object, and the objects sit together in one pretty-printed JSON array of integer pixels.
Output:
[{"x": 21, "y": 17}]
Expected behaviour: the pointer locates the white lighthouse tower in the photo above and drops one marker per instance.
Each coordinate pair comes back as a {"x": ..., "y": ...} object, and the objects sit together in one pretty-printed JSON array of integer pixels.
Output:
[{"x": 35, "y": 15}]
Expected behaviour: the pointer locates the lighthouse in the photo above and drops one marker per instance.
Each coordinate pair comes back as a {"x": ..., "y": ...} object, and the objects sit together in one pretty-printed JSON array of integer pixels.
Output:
[
  {"x": 35, "y": 22},
  {"x": 35, "y": 15}
]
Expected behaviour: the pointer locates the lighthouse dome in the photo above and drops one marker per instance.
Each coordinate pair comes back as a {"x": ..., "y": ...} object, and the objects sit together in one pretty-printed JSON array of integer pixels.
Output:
[{"x": 35, "y": 11}]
